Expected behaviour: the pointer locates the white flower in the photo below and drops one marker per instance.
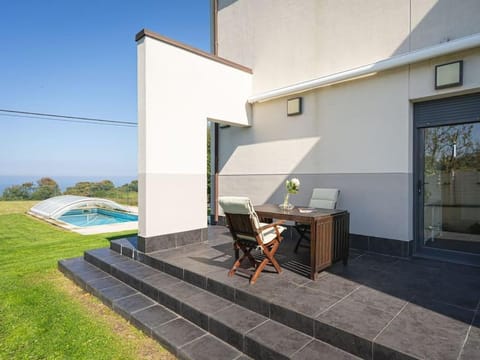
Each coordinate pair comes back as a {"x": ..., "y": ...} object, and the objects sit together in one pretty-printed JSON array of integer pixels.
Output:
[{"x": 292, "y": 185}]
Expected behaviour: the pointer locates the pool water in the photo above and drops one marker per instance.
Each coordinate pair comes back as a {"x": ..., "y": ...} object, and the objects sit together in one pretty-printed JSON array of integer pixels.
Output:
[{"x": 93, "y": 217}]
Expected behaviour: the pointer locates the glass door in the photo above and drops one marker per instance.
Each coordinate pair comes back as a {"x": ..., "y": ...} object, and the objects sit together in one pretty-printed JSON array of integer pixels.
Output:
[{"x": 449, "y": 188}]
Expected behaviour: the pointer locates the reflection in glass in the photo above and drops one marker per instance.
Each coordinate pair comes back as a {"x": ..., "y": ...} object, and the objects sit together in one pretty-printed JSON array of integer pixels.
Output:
[{"x": 452, "y": 187}]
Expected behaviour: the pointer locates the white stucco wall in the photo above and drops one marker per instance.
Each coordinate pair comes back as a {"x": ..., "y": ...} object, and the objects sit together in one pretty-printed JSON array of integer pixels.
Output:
[
  {"x": 437, "y": 21},
  {"x": 177, "y": 92},
  {"x": 334, "y": 133},
  {"x": 287, "y": 41},
  {"x": 353, "y": 136},
  {"x": 357, "y": 136},
  {"x": 422, "y": 76}
]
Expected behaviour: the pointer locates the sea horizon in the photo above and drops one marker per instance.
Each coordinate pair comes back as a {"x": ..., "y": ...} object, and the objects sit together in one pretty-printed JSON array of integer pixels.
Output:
[{"x": 64, "y": 181}]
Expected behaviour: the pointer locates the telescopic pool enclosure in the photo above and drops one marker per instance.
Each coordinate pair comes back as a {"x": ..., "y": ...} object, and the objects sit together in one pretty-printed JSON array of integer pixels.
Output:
[{"x": 56, "y": 206}]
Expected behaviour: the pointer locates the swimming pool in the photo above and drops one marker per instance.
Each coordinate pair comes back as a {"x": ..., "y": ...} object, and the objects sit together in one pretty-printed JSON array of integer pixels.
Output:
[{"x": 96, "y": 216}]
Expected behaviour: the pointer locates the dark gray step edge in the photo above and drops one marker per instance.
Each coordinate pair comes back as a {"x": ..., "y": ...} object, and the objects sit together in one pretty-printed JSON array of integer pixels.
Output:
[
  {"x": 337, "y": 337},
  {"x": 88, "y": 287},
  {"x": 184, "y": 309}
]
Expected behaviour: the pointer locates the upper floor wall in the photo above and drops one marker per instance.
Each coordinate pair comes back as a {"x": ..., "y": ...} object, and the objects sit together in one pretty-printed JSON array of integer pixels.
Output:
[{"x": 288, "y": 41}]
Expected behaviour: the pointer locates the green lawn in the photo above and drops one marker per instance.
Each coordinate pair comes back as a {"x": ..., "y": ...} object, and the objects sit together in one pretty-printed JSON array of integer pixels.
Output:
[
  {"x": 15, "y": 207},
  {"x": 124, "y": 198},
  {"x": 43, "y": 315}
]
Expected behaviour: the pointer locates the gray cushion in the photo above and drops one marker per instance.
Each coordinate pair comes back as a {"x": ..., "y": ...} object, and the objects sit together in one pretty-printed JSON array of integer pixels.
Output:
[
  {"x": 239, "y": 205},
  {"x": 243, "y": 205},
  {"x": 267, "y": 234},
  {"x": 324, "y": 198}
]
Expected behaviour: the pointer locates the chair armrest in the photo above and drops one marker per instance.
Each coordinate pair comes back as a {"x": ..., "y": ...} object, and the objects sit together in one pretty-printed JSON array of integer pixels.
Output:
[{"x": 276, "y": 223}]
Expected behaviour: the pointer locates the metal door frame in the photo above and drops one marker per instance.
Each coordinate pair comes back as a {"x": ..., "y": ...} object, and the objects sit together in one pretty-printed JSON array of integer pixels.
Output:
[{"x": 469, "y": 108}]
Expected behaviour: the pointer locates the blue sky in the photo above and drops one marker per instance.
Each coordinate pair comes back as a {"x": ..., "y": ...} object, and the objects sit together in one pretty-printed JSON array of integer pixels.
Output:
[{"x": 78, "y": 57}]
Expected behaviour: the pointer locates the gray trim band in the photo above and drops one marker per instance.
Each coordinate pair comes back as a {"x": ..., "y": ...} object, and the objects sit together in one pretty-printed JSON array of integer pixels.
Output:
[{"x": 173, "y": 240}]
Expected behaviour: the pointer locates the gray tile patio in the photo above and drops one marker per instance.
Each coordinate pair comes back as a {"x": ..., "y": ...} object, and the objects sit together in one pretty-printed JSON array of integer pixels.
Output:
[{"x": 376, "y": 307}]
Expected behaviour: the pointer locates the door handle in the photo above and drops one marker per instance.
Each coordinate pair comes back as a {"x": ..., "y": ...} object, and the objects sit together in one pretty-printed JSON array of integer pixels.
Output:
[{"x": 419, "y": 186}]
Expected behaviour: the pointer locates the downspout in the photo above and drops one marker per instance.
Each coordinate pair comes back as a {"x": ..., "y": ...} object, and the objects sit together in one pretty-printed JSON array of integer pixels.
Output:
[
  {"x": 215, "y": 181},
  {"x": 445, "y": 48},
  {"x": 214, "y": 6},
  {"x": 214, "y": 27}
]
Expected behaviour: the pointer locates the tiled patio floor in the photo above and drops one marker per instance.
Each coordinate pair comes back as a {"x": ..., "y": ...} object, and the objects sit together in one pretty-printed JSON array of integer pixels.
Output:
[{"x": 418, "y": 308}]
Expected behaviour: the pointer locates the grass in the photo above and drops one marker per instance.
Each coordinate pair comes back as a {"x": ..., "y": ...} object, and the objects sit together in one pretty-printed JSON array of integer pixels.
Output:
[
  {"x": 15, "y": 207},
  {"x": 125, "y": 198},
  {"x": 43, "y": 315}
]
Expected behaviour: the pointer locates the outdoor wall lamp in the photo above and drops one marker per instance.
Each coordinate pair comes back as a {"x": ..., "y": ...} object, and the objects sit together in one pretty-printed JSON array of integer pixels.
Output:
[
  {"x": 294, "y": 106},
  {"x": 448, "y": 75}
]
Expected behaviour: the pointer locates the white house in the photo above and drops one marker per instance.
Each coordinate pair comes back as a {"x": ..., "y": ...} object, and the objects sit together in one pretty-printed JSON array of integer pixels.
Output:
[{"x": 390, "y": 115}]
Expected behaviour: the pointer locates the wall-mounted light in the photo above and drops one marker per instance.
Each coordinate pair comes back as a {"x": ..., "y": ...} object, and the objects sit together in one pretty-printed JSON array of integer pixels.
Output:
[
  {"x": 294, "y": 106},
  {"x": 448, "y": 75}
]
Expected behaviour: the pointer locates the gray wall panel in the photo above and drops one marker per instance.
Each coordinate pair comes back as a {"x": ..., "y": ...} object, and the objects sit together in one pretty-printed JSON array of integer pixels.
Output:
[{"x": 380, "y": 204}]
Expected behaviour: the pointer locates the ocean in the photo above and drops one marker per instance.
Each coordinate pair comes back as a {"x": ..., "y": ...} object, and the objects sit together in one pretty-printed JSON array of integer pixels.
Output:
[{"x": 62, "y": 181}]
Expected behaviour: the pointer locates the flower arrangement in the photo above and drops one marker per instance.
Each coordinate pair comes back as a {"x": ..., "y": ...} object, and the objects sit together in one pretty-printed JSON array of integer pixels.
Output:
[{"x": 292, "y": 186}]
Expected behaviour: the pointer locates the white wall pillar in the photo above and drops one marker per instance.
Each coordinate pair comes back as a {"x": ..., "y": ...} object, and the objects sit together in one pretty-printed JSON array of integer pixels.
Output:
[{"x": 179, "y": 88}]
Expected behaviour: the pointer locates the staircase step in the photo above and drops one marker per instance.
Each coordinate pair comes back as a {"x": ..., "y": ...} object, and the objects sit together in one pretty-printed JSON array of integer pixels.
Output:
[
  {"x": 336, "y": 310},
  {"x": 183, "y": 338},
  {"x": 262, "y": 298},
  {"x": 221, "y": 318}
]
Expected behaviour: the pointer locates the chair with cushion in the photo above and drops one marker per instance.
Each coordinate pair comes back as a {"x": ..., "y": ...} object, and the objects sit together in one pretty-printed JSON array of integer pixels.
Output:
[
  {"x": 249, "y": 233},
  {"x": 321, "y": 199}
]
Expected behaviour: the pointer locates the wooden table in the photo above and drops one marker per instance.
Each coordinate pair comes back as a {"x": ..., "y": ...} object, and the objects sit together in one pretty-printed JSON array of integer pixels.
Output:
[{"x": 329, "y": 238}]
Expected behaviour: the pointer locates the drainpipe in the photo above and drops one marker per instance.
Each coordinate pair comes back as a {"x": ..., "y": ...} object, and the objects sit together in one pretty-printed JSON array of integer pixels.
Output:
[
  {"x": 215, "y": 180},
  {"x": 214, "y": 27},
  {"x": 214, "y": 6},
  {"x": 445, "y": 48}
]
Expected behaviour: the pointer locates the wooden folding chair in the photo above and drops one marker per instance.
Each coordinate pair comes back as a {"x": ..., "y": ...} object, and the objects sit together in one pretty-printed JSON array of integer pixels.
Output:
[
  {"x": 248, "y": 234},
  {"x": 322, "y": 199}
]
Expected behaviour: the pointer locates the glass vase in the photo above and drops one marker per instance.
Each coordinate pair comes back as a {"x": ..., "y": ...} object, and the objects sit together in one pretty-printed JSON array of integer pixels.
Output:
[{"x": 286, "y": 204}]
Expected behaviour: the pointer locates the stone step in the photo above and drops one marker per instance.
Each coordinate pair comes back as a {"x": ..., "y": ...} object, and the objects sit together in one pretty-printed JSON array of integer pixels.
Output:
[
  {"x": 362, "y": 308},
  {"x": 250, "y": 332},
  {"x": 260, "y": 298},
  {"x": 180, "y": 336}
]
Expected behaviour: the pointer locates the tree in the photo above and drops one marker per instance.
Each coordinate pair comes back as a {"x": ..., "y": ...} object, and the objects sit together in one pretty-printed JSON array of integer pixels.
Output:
[
  {"x": 133, "y": 186},
  {"x": 104, "y": 188},
  {"x": 101, "y": 188},
  {"x": 447, "y": 147},
  {"x": 18, "y": 192},
  {"x": 130, "y": 187},
  {"x": 81, "y": 188},
  {"x": 449, "y": 150},
  {"x": 46, "y": 188}
]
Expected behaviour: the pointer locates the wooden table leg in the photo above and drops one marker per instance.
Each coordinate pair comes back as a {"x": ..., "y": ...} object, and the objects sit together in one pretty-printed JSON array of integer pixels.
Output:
[
  {"x": 321, "y": 245},
  {"x": 313, "y": 250}
]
